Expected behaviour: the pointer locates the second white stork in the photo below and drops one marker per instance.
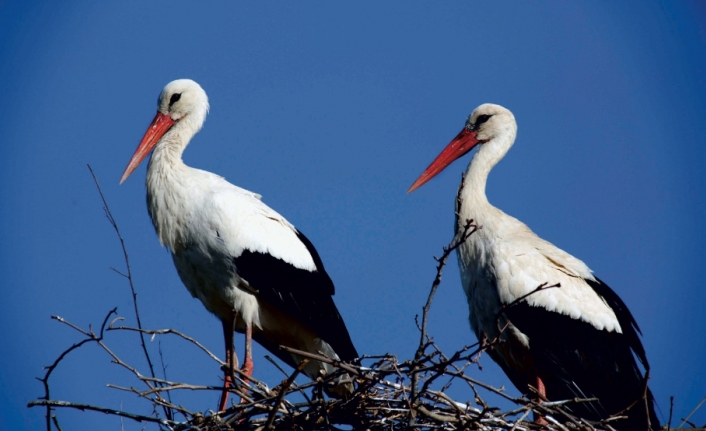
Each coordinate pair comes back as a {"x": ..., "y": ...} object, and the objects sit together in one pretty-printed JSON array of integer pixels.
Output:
[
  {"x": 577, "y": 340},
  {"x": 249, "y": 266}
]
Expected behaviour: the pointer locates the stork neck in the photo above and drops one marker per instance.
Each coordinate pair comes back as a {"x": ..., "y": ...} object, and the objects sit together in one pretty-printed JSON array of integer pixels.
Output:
[
  {"x": 166, "y": 161},
  {"x": 167, "y": 153},
  {"x": 166, "y": 156},
  {"x": 474, "y": 202},
  {"x": 168, "y": 188}
]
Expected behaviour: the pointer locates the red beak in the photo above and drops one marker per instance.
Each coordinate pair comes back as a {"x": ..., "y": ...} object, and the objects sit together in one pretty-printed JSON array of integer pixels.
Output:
[
  {"x": 159, "y": 126},
  {"x": 460, "y": 145}
]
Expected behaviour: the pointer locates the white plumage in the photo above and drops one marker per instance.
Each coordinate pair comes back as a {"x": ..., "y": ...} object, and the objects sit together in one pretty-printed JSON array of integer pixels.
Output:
[
  {"x": 248, "y": 265},
  {"x": 575, "y": 340}
]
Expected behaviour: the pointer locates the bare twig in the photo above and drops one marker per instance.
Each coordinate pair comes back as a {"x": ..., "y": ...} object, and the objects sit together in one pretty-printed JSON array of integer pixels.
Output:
[
  {"x": 283, "y": 391},
  {"x": 324, "y": 359},
  {"x": 686, "y": 419},
  {"x": 468, "y": 229},
  {"x": 138, "y": 418},
  {"x": 128, "y": 275},
  {"x": 50, "y": 369},
  {"x": 168, "y": 331},
  {"x": 294, "y": 385}
]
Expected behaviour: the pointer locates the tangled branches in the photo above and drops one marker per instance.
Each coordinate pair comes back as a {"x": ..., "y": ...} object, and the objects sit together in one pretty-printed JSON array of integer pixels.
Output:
[{"x": 383, "y": 398}]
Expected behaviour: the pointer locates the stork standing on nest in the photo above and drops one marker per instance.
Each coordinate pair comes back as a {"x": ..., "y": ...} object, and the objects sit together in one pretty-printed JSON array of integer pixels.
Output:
[
  {"x": 247, "y": 264},
  {"x": 576, "y": 340}
]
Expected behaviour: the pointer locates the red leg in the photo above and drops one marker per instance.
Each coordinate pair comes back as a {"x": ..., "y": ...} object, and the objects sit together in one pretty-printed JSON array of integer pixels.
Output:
[
  {"x": 541, "y": 389},
  {"x": 248, "y": 365},
  {"x": 231, "y": 360},
  {"x": 542, "y": 396}
]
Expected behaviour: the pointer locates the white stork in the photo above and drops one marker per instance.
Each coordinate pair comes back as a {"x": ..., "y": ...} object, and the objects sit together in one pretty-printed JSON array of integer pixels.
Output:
[
  {"x": 576, "y": 340},
  {"x": 247, "y": 264}
]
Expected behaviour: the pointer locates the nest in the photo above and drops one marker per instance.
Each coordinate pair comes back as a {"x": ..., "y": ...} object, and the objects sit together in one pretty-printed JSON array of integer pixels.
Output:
[{"x": 388, "y": 395}]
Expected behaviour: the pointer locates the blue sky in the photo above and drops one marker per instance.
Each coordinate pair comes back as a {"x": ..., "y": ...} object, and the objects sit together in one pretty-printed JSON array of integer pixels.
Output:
[{"x": 330, "y": 111}]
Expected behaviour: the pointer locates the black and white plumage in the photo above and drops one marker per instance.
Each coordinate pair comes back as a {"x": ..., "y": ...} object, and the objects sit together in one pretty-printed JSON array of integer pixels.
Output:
[
  {"x": 576, "y": 340},
  {"x": 247, "y": 264}
]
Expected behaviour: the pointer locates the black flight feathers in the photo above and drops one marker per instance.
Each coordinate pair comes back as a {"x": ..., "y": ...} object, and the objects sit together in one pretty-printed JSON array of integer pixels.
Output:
[
  {"x": 625, "y": 318},
  {"x": 304, "y": 295},
  {"x": 575, "y": 359}
]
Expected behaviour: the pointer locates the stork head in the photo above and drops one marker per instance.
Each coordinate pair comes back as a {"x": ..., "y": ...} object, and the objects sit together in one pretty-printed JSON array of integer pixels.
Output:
[
  {"x": 182, "y": 102},
  {"x": 486, "y": 122}
]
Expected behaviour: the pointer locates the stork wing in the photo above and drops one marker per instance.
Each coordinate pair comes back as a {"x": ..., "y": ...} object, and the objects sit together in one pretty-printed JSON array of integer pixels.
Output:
[
  {"x": 519, "y": 267},
  {"x": 303, "y": 294},
  {"x": 581, "y": 335},
  {"x": 577, "y": 360},
  {"x": 280, "y": 264}
]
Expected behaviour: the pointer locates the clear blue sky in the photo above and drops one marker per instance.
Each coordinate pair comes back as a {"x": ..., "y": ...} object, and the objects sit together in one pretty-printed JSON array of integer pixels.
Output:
[{"x": 330, "y": 111}]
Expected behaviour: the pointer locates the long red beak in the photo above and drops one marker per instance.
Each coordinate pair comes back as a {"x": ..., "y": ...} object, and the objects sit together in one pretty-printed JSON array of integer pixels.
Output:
[
  {"x": 159, "y": 126},
  {"x": 460, "y": 145}
]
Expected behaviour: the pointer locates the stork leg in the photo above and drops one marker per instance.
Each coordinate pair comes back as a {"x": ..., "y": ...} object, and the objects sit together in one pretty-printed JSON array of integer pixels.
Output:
[
  {"x": 248, "y": 364},
  {"x": 542, "y": 395},
  {"x": 541, "y": 389},
  {"x": 231, "y": 359}
]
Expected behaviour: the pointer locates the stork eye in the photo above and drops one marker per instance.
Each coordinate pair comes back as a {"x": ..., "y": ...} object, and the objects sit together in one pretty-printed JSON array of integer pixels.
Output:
[
  {"x": 175, "y": 98},
  {"x": 482, "y": 119}
]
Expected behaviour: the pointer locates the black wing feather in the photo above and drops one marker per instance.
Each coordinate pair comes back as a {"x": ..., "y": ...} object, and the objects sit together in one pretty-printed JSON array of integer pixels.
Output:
[
  {"x": 625, "y": 318},
  {"x": 574, "y": 359},
  {"x": 304, "y": 295}
]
